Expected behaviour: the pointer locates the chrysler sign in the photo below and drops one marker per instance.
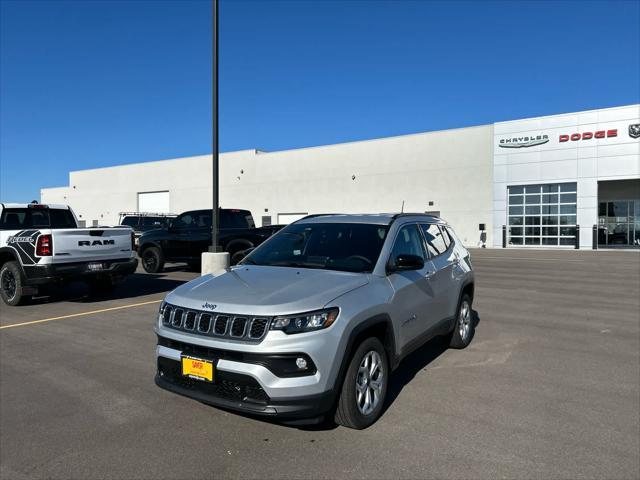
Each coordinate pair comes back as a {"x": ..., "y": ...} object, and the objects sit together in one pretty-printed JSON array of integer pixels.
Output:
[{"x": 524, "y": 141}]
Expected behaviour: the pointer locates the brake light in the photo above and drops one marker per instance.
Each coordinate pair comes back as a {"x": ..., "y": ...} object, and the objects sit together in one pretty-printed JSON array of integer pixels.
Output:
[{"x": 44, "y": 246}]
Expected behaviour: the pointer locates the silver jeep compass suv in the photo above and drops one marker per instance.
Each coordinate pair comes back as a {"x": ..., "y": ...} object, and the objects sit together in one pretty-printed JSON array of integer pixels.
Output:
[{"x": 314, "y": 320}]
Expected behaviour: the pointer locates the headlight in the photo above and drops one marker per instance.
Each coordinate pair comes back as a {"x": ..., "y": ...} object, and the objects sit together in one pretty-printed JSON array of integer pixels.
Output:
[
  {"x": 161, "y": 311},
  {"x": 305, "y": 322}
]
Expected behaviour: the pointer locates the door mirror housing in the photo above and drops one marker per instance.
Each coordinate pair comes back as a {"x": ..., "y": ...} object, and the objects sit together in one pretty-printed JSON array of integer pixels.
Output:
[{"x": 405, "y": 262}]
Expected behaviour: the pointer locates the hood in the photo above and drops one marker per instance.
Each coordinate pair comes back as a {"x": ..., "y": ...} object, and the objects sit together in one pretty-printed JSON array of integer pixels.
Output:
[{"x": 262, "y": 290}]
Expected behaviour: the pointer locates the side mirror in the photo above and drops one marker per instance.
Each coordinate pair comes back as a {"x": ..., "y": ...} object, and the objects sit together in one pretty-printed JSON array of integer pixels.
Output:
[{"x": 406, "y": 262}]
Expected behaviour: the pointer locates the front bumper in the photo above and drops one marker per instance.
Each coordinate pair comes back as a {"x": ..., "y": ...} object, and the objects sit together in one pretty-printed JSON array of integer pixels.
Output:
[
  {"x": 239, "y": 385},
  {"x": 53, "y": 272},
  {"x": 240, "y": 392}
]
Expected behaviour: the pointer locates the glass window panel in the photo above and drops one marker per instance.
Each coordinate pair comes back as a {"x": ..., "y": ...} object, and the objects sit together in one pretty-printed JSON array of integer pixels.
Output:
[
  {"x": 602, "y": 209},
  {"x": 550, "y": 209},
  {"x": 532, "y": 210},
  {"x": 532, "y": 240},
  {"x": 549, "y": 231},
  {"x": 532, "y": 199},
  {"x": 516, "y": 200},
  {"x": 532, "y": 220},
  {"x": 568, "y": 231},
  {"x": 550, "y": 220},
  {"x": 532, "y": 188},
  {"x": 567, "y": 219},
  {"x": 637, "y": 211},
  {"x": 515, "y": 210},
  {"x": 610, "y": 211},
  {"x": 620, "y": 209},
  {"x": 517, "y": 190},
  {"x": 551, "y": 187},
  {"x": 567, "y": 198},
  {"x": 618, "y": 234},
  {"x": 532, "y": 231},
  {"x": 549, "y": 241},
  {"x": 568, "y": 187},
  {"x": 553, "y": 198},
  {"x": 516, "y": 230},
  {"x": 567, "y": 241},
  {"x": 515, "y": 220},
  {"x": 568, "y": 209},
  {"x": 515, "y": 241}
]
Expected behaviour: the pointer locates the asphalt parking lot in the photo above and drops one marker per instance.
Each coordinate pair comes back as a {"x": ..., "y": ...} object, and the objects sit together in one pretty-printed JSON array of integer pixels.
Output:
[{"x": 550, "y": 387}]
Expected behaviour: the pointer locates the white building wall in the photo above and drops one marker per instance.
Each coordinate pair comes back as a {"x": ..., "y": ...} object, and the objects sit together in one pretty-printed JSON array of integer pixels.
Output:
[
  {"x": 451, "y": 168},
  {"x": 585, "y": 161}
]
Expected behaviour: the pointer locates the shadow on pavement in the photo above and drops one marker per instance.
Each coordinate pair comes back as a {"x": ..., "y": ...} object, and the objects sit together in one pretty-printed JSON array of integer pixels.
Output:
[{"x": 135, "y": 285}]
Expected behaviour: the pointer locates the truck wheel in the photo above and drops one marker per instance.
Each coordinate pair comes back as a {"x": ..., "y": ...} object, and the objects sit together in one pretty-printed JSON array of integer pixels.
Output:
[
  {"x": 464, "y": 328},
  {"x": 152, "y": 260},
  {"x": 365, "y": 386},
  {"x": 11, "y": 282}
]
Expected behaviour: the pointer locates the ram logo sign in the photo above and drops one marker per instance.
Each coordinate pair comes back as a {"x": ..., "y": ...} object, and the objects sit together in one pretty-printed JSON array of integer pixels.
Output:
[{"x": 87, "y": 243}]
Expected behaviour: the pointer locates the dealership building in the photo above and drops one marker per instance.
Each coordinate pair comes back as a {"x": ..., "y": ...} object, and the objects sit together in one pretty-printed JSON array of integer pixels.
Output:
[{"x": 536, "y": 182}]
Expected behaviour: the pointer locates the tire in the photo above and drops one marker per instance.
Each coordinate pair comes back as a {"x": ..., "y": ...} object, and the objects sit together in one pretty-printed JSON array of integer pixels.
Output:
[
  {"x": 152, "y": 260},
  {"x": 11, "y": 283},
  {"x": 464, "y": 327},
  {"x": 352, "y": 409}
]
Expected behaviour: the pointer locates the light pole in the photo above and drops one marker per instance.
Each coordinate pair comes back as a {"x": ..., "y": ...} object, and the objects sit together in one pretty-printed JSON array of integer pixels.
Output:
[
  {"x": 215, "y": 213},
  {"x": 215, "y": 261}
]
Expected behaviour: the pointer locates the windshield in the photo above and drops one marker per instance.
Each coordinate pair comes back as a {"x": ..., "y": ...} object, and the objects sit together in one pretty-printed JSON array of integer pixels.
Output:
[{"x": 350, "y": 247}]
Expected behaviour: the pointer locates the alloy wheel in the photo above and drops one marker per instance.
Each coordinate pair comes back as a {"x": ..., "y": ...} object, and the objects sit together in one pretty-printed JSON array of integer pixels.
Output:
[
  {"x": 9, "y": 285},
  {"x": 369, "y": 382},
  {"x": 464, "y": 320}
]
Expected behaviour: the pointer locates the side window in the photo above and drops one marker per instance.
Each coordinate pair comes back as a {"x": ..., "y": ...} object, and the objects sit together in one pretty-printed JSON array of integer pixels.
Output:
[
  {"x": 408, "y": 242},
  {"x": 184, "y": 221},
  {"x": 435, "y": 241},
  {"x": 13, "y": 219},
  {"x": 446, "y": 236},
  {"x": 130, "y": 221}
]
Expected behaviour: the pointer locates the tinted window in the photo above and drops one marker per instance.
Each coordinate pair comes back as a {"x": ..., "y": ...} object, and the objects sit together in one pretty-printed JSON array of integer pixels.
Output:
[
  {"x": 236, "y": 219},
  {"x": 13, "y": 219},
  {"x": 408, "y": 242},
  {"x": 445, "y": 236},
  {"x": 20, "y": 218},
  {"x": 185, "y": 220},
  {"x": 332, "y": 246},
  {"x": 153, "y": 221},
  {"x": 435, "y": 241},
  {"x": 130, "y": 221}
]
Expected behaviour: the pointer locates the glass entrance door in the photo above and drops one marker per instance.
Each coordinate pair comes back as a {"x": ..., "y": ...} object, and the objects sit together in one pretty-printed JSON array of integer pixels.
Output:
[{"x": 619, "y": 223}]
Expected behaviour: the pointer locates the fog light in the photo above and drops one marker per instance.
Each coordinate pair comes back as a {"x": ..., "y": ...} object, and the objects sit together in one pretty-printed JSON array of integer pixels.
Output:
[{"x": 301, "y": 363}]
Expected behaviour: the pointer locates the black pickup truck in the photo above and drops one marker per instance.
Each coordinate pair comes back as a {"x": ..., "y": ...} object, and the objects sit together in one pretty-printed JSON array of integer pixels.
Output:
[{"x": 188, "y": 235}]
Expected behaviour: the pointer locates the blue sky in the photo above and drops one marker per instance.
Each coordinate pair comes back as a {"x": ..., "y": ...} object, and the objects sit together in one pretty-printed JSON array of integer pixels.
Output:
[{"x": 99, "y": 83}]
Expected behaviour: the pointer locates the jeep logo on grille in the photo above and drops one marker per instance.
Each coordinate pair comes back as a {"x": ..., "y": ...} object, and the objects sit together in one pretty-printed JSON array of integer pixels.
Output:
[
  {"x": 87, "y": 243},
  {"x": 209, "y": 306}
]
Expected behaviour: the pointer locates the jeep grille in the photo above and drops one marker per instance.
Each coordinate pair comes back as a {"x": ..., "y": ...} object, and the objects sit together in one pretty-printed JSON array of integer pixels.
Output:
[{"x": 216, "y": 325}]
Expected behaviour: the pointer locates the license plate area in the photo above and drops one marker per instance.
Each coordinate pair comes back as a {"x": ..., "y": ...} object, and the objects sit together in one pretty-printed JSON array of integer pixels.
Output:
[
  {"x": 96, "y": 266},
  {"x": 197, "y": 368}
]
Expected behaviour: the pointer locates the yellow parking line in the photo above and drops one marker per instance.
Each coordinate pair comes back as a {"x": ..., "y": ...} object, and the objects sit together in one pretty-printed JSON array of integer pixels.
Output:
[{"x": 102, "y": 310}]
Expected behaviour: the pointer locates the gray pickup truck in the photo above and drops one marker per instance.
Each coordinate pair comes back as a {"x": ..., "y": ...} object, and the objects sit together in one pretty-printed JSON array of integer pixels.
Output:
[{"x": 42, "y": 244}]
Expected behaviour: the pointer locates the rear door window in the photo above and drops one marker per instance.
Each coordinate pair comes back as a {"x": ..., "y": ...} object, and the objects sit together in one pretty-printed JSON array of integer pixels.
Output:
[
  {"x": 21, "y": 218},
  {"x": 436, "y": 243}
]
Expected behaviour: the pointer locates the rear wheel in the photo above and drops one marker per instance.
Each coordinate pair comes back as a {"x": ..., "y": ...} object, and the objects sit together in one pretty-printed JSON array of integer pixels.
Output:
[
  {"x": 365, "y": 386},
  {"x": 152, "y": 260},
  {"x": 11, "y": 282},
  {"x": 464, "y": 328}
]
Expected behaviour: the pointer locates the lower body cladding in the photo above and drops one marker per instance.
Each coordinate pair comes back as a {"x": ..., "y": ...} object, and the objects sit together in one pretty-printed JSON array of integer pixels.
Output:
[{"x": 261, "y": 384}]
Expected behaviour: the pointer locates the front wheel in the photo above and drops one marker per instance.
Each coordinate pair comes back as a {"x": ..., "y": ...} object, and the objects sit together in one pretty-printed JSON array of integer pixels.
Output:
[
  {"x": 11, "y": 284},
  {"x": 464, "y": 328},
  {"x": 365, "y": 386},
  {"x": 152, "y": 260}
]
